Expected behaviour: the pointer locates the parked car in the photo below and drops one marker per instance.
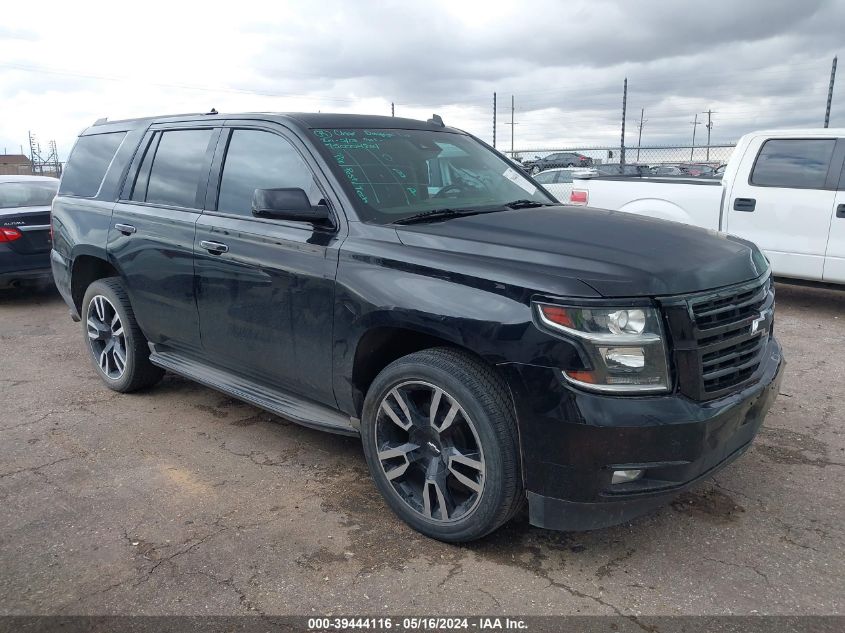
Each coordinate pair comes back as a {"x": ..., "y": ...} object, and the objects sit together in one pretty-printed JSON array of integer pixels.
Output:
[
  {"x": 697, "y": 169},
  {"x": 615, "y": 169},
  {"x": 25, "y": 229},
  {"x": 782, "y": 189},
  {"x": 558, "y": 182},
  {"x": 402, "y": 282},
  {"x": 666, "y": 170},
  {"x": 559, "y": 159}
]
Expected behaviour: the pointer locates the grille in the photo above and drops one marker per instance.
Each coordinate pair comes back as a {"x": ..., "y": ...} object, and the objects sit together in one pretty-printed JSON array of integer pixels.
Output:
[{"x": 720, "y": 337}]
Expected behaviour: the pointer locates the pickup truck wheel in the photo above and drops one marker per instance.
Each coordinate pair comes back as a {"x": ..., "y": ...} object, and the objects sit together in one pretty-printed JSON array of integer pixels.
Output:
[
  {"x": 118, "y": 349},
  {"x": 440, "y": 439}
]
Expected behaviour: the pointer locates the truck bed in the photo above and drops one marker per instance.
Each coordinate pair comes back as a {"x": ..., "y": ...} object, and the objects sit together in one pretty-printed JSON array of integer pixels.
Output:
[{"x": 695, "y": 201}]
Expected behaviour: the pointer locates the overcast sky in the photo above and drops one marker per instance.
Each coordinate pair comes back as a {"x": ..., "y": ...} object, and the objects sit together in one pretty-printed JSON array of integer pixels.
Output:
[{"x": 756, "y": 63}]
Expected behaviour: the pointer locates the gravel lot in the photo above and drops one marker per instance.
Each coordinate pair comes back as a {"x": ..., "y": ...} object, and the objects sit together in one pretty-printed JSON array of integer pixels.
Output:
[{"x": 181, "y": 500}]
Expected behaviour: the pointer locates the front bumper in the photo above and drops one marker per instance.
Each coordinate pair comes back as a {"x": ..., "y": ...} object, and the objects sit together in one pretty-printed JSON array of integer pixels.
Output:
[{"x": 572, "y": 441}]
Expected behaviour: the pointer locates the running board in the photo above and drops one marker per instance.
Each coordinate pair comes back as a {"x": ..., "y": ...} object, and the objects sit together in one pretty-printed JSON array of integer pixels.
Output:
[{"x": 292, "y": 408}]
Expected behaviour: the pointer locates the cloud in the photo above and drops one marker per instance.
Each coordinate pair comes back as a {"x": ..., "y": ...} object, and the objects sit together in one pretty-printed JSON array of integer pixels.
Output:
[{"x": 756, "y": 63}]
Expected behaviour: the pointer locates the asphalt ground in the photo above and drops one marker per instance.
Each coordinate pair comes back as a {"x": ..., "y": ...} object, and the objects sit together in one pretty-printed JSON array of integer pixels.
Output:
[{"x": 181, "y": 500}]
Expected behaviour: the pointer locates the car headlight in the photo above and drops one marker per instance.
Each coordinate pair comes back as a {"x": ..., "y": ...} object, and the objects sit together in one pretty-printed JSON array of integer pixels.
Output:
[{"x": 625, "y": 346}]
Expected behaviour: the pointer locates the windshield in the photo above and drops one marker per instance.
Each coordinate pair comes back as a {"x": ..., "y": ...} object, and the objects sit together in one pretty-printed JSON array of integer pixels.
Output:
[
  {"x": 27, "y": 194},
  {"x": 394, "y": 174}
]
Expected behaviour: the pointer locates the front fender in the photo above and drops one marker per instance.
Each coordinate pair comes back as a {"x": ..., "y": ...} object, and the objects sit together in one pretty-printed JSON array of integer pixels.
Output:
[{"x": 490, "y": 319}]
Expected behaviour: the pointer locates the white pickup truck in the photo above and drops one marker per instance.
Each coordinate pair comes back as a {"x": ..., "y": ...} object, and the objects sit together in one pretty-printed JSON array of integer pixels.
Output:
[{"x": 783, "y": 190}]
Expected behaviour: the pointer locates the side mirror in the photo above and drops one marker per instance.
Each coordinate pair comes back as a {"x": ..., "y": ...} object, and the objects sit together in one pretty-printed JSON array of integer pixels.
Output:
[{"x": 287, "y": 204}]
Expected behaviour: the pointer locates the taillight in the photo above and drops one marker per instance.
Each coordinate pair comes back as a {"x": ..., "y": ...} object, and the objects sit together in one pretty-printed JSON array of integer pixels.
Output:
[
  {"x": 9, "y": 234},
  {"x": 578, "y": 196}
]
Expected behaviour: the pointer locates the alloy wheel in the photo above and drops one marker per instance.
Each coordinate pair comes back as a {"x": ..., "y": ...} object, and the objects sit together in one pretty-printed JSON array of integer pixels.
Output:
[
  {"x": 106, "y": 337},
  {"x": 429, "y": 450}
]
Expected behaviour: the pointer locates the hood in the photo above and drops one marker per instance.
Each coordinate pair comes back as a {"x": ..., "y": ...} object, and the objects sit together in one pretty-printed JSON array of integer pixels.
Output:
[{"x": 617, "y": 254}]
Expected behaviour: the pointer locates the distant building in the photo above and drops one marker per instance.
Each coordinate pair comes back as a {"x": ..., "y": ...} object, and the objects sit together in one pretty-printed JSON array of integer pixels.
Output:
[{"x": 14, "y": 164}]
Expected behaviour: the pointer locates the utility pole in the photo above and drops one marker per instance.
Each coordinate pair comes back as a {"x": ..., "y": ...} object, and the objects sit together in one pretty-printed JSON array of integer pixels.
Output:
[
  {"x": 512, "y": 123},
  {"x": 709, "y": 127},
  {"x": 624, "y": 109},
  {"x": 392, "y": 110},
  {"x": 695, "y": 124},
  {"x": 640, "y": 135},
  {"x": 830, "y": 93},
  {"x": 494, "y": 121}
]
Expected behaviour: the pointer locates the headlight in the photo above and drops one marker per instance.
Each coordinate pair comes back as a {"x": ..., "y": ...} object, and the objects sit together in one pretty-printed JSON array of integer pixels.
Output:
[{"x": 624, "y": 346}]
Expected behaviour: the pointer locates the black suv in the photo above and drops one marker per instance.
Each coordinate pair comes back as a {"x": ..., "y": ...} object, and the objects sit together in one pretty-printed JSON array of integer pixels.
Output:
[
  {"x": 560, "y": 159},
  {"x": 403, "y": 282}
]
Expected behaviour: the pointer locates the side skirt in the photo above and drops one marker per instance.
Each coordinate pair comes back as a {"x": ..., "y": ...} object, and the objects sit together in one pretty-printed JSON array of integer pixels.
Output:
[{"x": 290, "y": 407}]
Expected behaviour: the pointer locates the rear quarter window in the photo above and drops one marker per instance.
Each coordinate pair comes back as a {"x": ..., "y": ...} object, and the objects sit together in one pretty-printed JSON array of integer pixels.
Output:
[
  {"x": 793, "y": 163},
  {"x": 88, "y": 163}
]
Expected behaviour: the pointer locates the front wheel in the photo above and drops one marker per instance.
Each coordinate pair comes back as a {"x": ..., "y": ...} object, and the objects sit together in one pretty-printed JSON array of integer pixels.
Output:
[
  {"x": 440, "y": 439},
  {"x": 117, "y": 346}
]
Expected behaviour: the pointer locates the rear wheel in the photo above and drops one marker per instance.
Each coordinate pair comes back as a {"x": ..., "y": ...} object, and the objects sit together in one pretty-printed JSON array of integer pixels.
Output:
[
  {"x": 536, "y": 169},
  {"x": 440, "y": 439},
  {"x": 118, "y": 349}
]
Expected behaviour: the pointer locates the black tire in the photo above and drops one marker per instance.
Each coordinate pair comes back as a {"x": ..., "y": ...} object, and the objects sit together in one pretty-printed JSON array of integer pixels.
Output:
[
  {"x": 137, "y": 370},
  {"x": 485, "y": 403},
  {"x": 535, "y": 170}
]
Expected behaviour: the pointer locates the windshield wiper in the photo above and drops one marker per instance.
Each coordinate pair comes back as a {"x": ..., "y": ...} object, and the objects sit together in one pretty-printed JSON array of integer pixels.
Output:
[
  {"x": 446, "y": 214},
  {"x": 437, "y": 214},
  {"x": 524, "y": 204}
]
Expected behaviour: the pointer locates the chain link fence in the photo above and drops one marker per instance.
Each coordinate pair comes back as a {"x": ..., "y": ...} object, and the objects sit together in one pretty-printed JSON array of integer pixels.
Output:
[
  {"x": 683, "y": 160},
  {"x": 714, "y": 155}
]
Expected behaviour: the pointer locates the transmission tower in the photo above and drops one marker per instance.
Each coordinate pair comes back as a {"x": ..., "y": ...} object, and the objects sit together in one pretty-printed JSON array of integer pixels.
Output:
[{"x": 41, "y": 164}]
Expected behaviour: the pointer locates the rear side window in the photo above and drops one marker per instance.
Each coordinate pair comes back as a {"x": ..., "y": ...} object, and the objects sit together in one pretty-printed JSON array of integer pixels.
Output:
[
  {"x": 178, "y": 165},
  {"x": 35, "y": 193},
  {"x": 794, "y": 163},
  {"x": 88, "y": 163},
  {"x": 261, "y": 160},
  {"x": 546, "y": 178}
]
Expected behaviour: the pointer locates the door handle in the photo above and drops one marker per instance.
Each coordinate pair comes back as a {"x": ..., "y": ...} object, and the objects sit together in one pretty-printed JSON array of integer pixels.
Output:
[
  {"x": 215, "y": 248},
  {"x": 126, "y": 229},
  {"x": 745, "y": 204},
  {"x": 840, "y": 211}
]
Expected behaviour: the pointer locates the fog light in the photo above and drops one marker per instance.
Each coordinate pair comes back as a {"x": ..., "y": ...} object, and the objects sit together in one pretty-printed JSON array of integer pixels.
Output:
[{"x": 624, "y": 476}]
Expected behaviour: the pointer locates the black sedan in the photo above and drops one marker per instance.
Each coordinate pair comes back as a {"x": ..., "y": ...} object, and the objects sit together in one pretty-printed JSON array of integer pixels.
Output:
[
  {"x": 25, "y": 228},
  {"x": 558, "y": 159}
]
